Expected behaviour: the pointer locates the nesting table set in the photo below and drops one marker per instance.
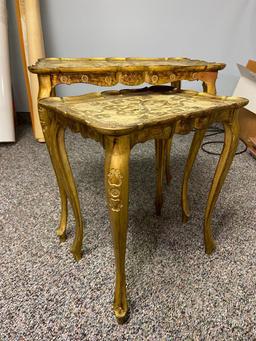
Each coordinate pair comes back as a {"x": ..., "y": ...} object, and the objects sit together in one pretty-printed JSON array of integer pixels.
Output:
[{"x": 121, "y": 119}]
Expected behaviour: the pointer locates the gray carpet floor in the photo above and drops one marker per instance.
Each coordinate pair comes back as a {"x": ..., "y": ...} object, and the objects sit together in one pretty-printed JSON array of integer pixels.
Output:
[{"x": 175, "y": 291}]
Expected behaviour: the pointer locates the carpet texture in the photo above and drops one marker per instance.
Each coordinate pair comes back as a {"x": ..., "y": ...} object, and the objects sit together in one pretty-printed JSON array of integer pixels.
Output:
[{"x": 175, "y": 291}]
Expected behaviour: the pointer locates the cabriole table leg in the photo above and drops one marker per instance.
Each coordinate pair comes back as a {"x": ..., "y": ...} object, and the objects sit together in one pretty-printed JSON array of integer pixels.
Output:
[
  {"x": 45, "y": 90},
  {"x": 71, "y": 191},
  {"x": 193, "y": 151},
  {"x": 116, "y": 183},
  {"x": 209, "y": 86},
  {"x": 46, "y": 125},
  {"x": 230, "y": 145},
  {"x": 160, "y": 168},
  {"x": 54, "y": 152},
  {"x": 58, "y": 154}
]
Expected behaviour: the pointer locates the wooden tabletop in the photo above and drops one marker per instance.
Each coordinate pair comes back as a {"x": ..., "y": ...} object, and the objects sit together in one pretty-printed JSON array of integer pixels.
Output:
[
  {"x": 127, "y": 110},
  {"x": 76, "y": 65}
]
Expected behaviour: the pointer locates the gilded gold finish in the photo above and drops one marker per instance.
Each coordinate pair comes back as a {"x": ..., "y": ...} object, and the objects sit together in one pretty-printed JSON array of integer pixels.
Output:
[{"x": 119, "y": 120}]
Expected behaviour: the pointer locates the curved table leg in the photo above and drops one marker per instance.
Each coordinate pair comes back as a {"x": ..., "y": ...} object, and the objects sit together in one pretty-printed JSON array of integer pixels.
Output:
[
  {"x": 116, "y": 183},
  {"x": 193, "y": 151},
  {"x": 47, "y": 130},
  {"x": 227, "y": 154},
  {"x": 61, "y": 230},
  {"x": 46, "y": 90},
  {"x": 71, "y": 190},
  {"x": 160, "y": 148}
]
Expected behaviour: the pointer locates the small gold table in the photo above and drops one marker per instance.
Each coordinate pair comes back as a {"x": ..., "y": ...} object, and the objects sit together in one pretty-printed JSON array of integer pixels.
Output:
[
  {"x": 119, "y": 120},
  {"x": 127, "y": 71}
]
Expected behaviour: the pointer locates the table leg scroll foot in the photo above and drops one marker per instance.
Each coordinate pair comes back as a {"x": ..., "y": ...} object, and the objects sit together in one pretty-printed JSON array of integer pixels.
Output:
[
  {"x": 209, "y": 242},
  {"x": 62, "y": 236},
  {"x": 185, "y": 217},
  {"x": 61, "y": 230},
  {"x": 122, "y": 316},
  {"x": 76, "y": 249}
]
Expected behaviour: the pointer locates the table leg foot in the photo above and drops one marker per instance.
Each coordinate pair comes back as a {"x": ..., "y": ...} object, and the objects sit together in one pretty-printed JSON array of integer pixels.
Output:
[
  {"x": 185, "y": 217},
  {"x": 209, "y": 242},
  {"x": 122, "y": 316},
  {"x": 62, "y": 236},
  {"x": 77, "y": 253},
  {"x": 61, "y": 230}
]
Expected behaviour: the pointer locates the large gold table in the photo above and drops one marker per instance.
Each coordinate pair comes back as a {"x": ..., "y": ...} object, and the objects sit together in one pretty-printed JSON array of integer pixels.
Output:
[
  {"x": 133, "y": 72},
  {"x": 119, "y": 120}
]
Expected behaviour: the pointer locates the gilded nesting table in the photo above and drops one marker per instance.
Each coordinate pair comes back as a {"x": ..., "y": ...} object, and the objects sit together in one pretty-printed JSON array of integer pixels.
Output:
[
  {"x": 119, "y": 120},
  {"x": 133, "y": 72}
]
